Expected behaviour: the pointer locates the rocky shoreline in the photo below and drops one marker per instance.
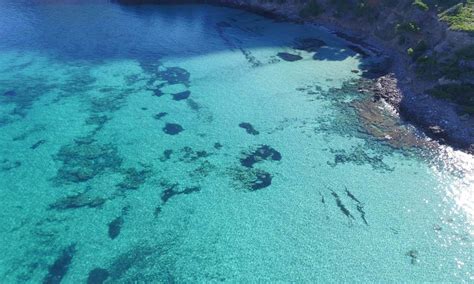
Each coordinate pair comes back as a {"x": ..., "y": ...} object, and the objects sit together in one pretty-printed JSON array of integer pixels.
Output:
[
  {"x": 438, "y": 119},
  {"x": 392, "y": 80}
]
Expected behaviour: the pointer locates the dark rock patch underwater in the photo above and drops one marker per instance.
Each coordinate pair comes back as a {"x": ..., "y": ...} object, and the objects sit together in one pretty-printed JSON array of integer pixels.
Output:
[
  {"x": 249, "y": 128},
  {"x": 115, "y": 226},
  {"x": 262, "y": 180},
  {"x": 134, "y": 178},
  {"x": 359, "y": 157},
  {"x": 84, "y": 159},
  {"x": 190, "y": 155},
  {"x": 81, "y": 200},
  {"x": 171, "y": 191},
  {"x": 181, "y": 96},
  {"x": 60, "y": 267},
  {"x": 308, "y": 44},
  {"x": 289, "y": 57},
  {"x": 172, "y": 128},
  {"x": 262, "y": 153},
  {"x": 160, "y": 115},
  {"x": 37, "y": 144},
  {"x": 251, "y": 179},
  {"x": 9, "y": 94},
  {"x": 174, "y": 75},
  {"x": 97, "y": 276},
  {"x": 6, "y": 165}
]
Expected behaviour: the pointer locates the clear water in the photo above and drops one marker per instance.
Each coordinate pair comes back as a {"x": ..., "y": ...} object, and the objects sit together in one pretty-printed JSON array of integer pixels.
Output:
[{"x": 93, "y": 188}]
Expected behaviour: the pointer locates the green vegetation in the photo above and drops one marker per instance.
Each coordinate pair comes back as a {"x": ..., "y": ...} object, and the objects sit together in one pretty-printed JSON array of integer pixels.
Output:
[
  {"x": 427, "y": 67},
  {"x": 457, "y": 67},
  {"x": 466, "y": 53},
  {"x": 460, "y": 17},
  {"x": 420, "y": 48},
  {"x": 341, "y": 6},
  {"x": 421, "y": 5},
  {"x": 407, "y": 27},
  {"x": 312, "y": 9},
  {"x": 462, "y": 94}
]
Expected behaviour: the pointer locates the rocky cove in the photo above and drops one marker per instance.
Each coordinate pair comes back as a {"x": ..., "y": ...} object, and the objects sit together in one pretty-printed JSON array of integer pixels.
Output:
[
  {"x": 197, "y": 143},
  {"x": 389, "y": 75}
]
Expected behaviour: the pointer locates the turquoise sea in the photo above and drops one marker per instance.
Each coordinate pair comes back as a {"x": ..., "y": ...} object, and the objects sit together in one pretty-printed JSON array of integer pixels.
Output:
[{"x": 147, "y": 144}]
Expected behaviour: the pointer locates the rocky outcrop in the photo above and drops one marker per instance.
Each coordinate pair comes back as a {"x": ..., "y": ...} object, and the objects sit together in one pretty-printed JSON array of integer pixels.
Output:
[{"x": 392, "y": 68}]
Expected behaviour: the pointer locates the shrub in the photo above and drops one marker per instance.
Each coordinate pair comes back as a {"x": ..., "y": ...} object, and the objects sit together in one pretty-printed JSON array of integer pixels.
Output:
[
  {"x": 370, "y": 12},
  {"x": 407, "y": 27},
  {"x": 466, "y": 53},
  {"x": 462, "y": 94},
  {"x": 461, "y": 17},
  {"x": 427, "y": 67},
  {"x": 421, "y": 5},
  {"x": 312, "y": 9},
  {"x": 420, "y": 48}
]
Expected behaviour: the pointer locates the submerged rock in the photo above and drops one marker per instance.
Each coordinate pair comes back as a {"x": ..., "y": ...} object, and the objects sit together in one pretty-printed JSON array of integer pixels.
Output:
[
  {"x": 97, "y": 276},
  {"x": 171, "y": 190},
  {"x": 174, "y": 75},
  {"x": 309, "y": 44},
  {"x": 97, "y": 120},
  {"x": 189, "y": 155},
  {"x": 158, "y": 93},
  {"x": 192, "y": 104},
  {"x": 6, "y": 165},
  {"x": 413, "y": 254},
  {"x": 172, "y": 128},
  {"x": 77, "y": 201},
  {"x": 60, "y": 267},
  {"x": 250, "y": 58},
  {"x": 135, "y": 259},
  {"x": 157, "y": 211},
  {"x": 190, "y": 190},
  {"x": 37, "y": 144},
  {"x": 203, "y": 170},
  {"x": 289, "y": 57},
  {"x": 359, "y": 157},
  {"x": 181, "y": 96},
  {"x": 262, "y": 180},
  {"x": 166, "y": 155},
  {"x": 85, "y": 159},
  {"x": 262, "y": 153},
  {"x": 251, "y": 179},
  {"x": 249, "y": 128},
  {"x": 115, "y": 226},
  {"x": 160, "y": 115},
  {"x": 134, "y": 178},
  {"x": 9, "y": 94},
  {"x": 168, "y": 193}
]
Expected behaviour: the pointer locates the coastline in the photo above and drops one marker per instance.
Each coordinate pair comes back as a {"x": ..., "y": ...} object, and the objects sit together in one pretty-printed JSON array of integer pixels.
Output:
[
  {"x": 436, "y": 118},
  {"x": 393, "y": 81}
]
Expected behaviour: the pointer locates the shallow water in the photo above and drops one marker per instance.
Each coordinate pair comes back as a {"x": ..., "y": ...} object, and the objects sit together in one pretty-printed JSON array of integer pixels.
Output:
[{"x": 173, "y": 144}]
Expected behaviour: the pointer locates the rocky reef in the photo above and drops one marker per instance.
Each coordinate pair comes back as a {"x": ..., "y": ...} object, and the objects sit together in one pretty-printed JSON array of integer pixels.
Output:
[{"x": 84, "y": 159}]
